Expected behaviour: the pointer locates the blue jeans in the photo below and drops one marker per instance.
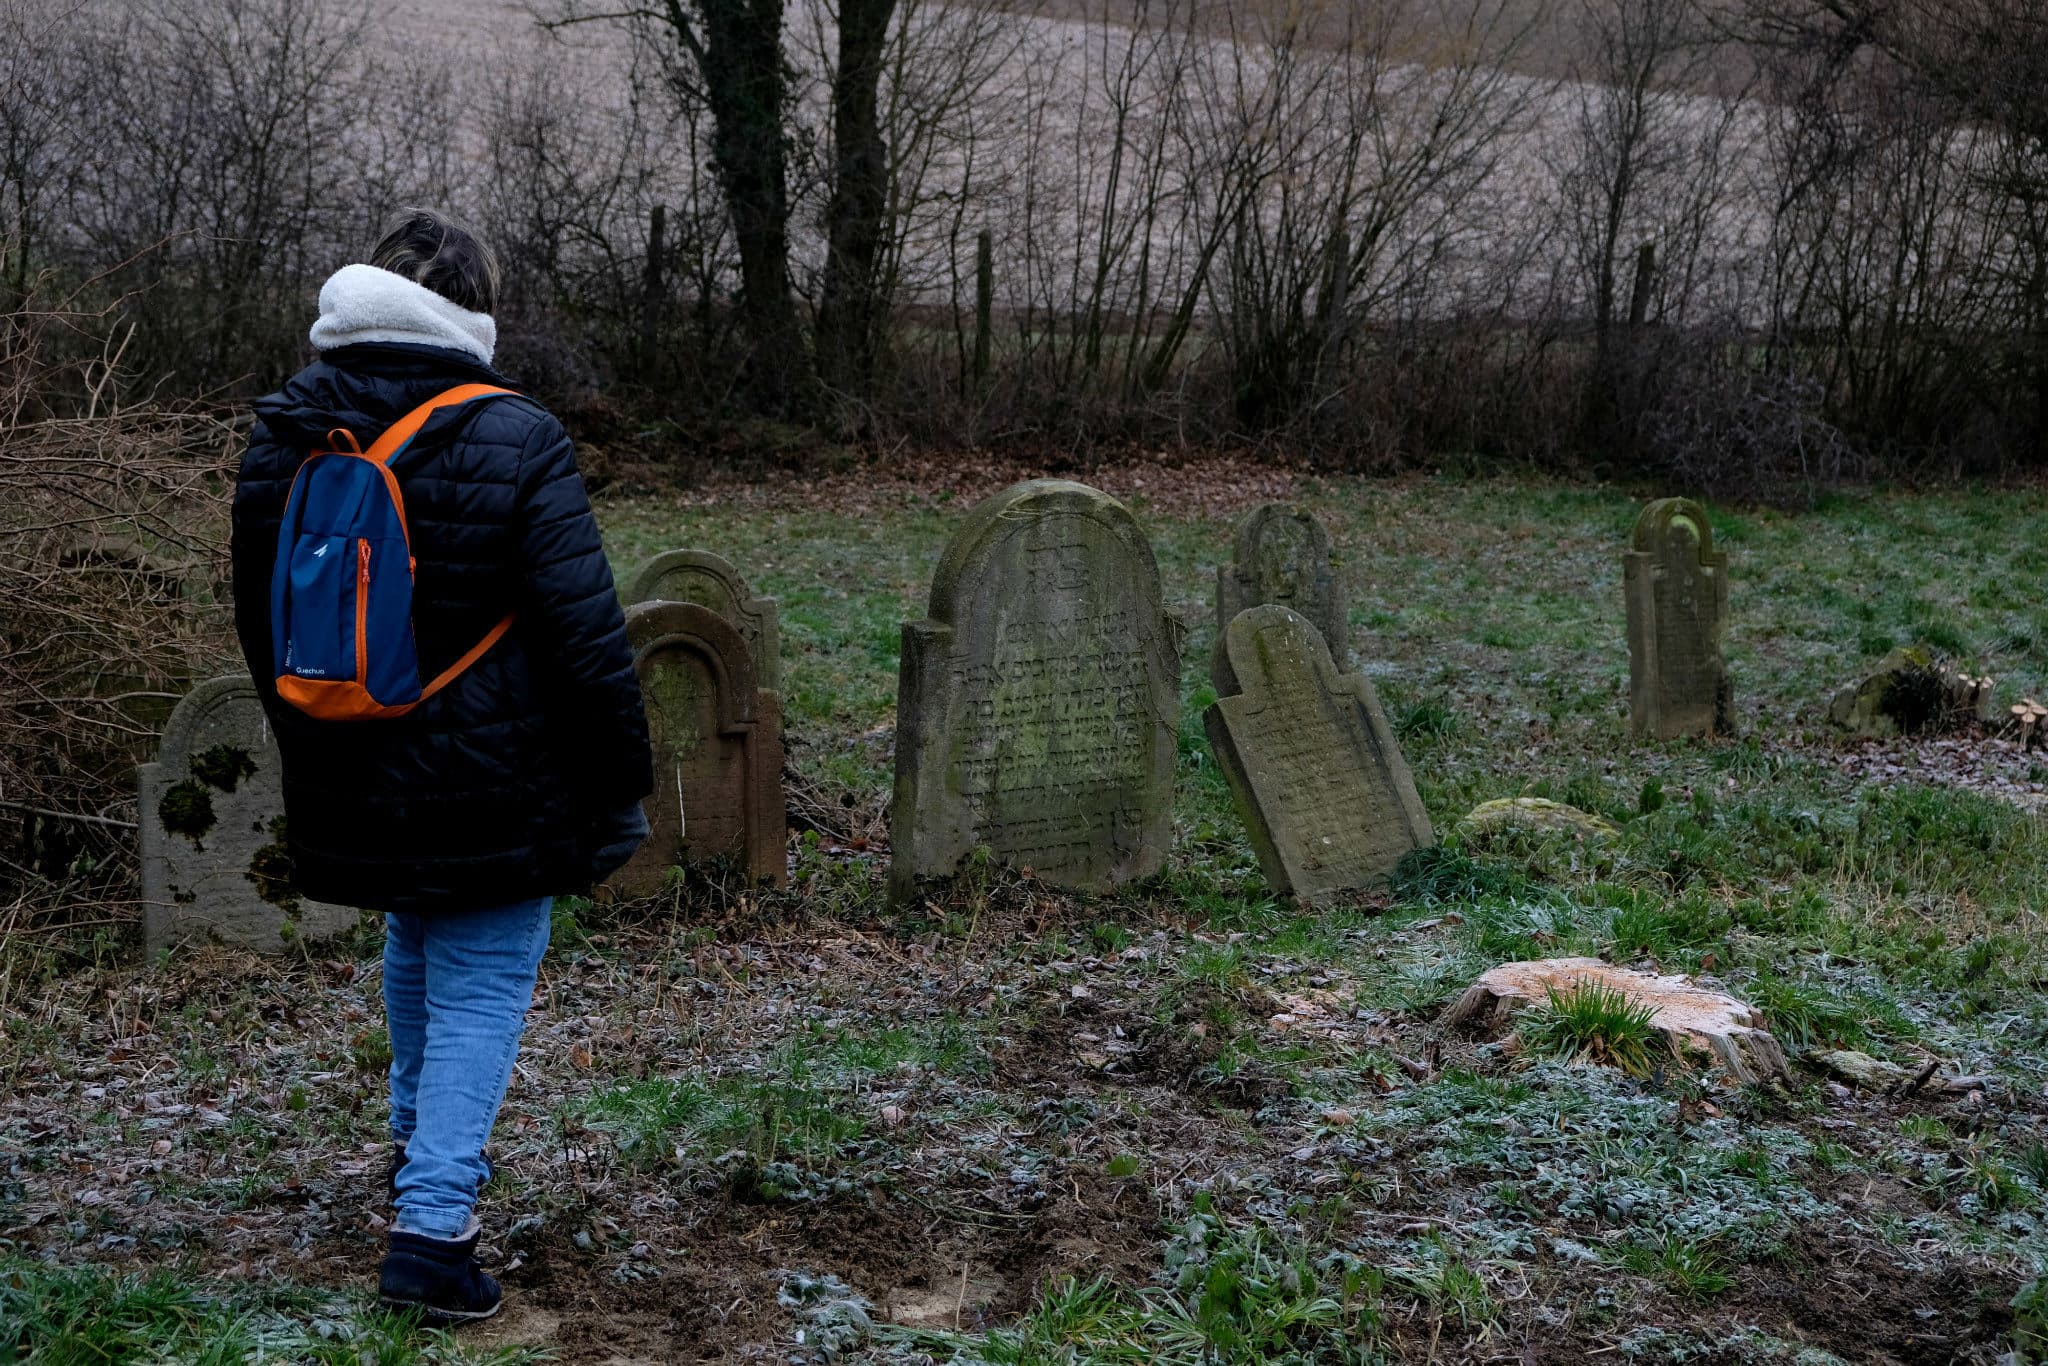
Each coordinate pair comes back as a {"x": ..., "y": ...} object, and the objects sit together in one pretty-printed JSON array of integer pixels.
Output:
[{"x": 456, "y": 992}]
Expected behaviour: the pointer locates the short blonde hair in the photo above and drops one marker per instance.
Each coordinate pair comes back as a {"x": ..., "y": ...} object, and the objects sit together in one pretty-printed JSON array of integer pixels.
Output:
[{"x": 437, "y": 250}]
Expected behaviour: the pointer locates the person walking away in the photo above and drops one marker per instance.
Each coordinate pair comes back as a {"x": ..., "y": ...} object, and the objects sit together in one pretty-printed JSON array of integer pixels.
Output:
[{"x": 426, "y": 607}]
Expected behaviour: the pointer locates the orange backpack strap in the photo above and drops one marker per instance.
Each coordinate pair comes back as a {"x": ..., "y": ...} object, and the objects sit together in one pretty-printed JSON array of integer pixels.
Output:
[
  {"x": 407, "y": 427},
  {"x": 454, "y": 671},
  {"x": 390, "y": 444}
]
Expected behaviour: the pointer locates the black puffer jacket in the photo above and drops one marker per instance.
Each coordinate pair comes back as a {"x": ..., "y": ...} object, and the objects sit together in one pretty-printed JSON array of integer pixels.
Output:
[{"x": 504, "y": 786}]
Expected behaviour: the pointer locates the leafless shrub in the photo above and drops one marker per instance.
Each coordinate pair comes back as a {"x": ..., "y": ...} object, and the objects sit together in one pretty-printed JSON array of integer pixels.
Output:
[
  {"x": 113, "y": 569},
  {"x": 1738, "y": 433}
]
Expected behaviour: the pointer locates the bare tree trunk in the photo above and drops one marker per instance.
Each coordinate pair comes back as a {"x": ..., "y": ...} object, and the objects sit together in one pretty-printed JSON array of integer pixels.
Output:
[
  {"x": 653, "y": 281},
  {"x": 984, "y": 302},
  {"x": 848, "y": 323},
  {"x": 746, "y": 84}
]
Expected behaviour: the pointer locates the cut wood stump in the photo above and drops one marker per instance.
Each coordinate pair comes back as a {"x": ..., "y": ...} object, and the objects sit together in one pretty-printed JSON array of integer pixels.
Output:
[{"x": 1690, "y": 1017}]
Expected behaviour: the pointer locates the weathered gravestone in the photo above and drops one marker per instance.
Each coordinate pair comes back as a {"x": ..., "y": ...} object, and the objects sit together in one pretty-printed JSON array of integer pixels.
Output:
[
  {"x": 717, "y": 740},
  {"x": 1283, "y": 555},
  {"x": 1312, "y": 765},
  {"x": 1036, "y": 707},
  {"x": 214, "y": 861},
  {"x": 709, "y": 581},
  {"x": 1677, "y": 586}
]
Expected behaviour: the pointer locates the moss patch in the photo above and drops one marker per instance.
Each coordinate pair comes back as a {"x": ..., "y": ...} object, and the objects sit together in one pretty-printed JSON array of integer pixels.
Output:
[
  {"x": 187, "y": 809},
  {"x": 270, "y": 869},
  {"x": 223, "y": 766}
]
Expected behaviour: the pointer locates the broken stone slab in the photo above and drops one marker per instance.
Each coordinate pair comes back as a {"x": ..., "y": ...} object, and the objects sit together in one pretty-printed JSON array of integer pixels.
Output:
[
  {"x": 1875, "y": 1074},
  {"x": 1860, "y": 1069},
  {"x": 1690, "y": 1017},
  {"x": 1533, "y": 815},
  {"x": 1911, "y": 692}
]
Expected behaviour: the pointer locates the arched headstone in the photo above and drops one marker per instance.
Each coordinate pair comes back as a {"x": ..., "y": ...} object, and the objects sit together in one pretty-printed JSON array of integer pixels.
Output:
[
  {"x": 1313, "y": 766},
  {"x": 1037, "y": 704},
  {"x": 709, "y": 581},
  {"x": 1677, "y": 586},
  {"x": 1282, "y": 555},
  {"x": 717, "y": 741},
  {"x": 215, "y": 864}
]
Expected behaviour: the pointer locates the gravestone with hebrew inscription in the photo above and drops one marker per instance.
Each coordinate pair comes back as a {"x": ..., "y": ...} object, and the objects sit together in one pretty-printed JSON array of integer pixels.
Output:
[
  {"x": 709, "y": 581},
  {"x": 1313, "y": 767},
  {"x": 215, "y": 865},
  {"x": 717, "y": 738},
  {"x": 1677, "y": 587},
  {"x": 1037, "y": 703},
  {"x": 1283, "y": 555}
]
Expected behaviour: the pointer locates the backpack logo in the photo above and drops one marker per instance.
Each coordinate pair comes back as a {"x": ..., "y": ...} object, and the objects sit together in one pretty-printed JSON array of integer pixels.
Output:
[{"x": 341, "y": 624}]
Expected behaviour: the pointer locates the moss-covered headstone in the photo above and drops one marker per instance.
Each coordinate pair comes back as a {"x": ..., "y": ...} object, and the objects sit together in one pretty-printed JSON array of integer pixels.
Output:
[
  {"x": 1313, "y": 766},
  {"x": 215, "y": 862},
  {"x": 717, "y": 739},
  {"x": 1283, "y": 555},
  {"x": 1677, "y": 586},
  {"x": 1036, "y": 706},
  {"x": 710, "y": 581}
]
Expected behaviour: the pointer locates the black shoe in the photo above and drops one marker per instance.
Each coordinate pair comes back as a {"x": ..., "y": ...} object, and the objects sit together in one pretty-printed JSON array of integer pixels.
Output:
[
  {"x": 439, "y": 1278},
  {"x": 398, "y": 1162}
]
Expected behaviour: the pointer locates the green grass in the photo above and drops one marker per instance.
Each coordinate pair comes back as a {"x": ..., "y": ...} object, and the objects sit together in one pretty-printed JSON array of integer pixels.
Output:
[
  {"x": 1232, "y": 1293},
  {"x": 754, "y": 1127},
  {"x": 1896, "y": 915},
  {"x": 1686, "y": 1268},
  {"x": 54, "y": 1315},
  {"x": 1594, "y": 1023}
]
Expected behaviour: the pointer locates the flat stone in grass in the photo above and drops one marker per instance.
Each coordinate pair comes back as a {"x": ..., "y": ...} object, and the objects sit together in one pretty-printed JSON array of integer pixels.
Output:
[
  {"x": 710, "y": 581},
  {"x": 1037, "y": 703},
  {"x": 717, "y": 740},
  {"x": 1691, "y": 1018},
  {"x": 1282, "y": 555},
  {"x": 1313, "y": 767},
  {"x": 215, "y": 865},
  {"x": 1677, "y": 586},
  {"x": 1533, "y": 816}
]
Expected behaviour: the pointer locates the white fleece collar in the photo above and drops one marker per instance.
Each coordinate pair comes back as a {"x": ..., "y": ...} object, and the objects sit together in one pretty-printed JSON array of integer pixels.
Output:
[{"x": 364, "y": 304}]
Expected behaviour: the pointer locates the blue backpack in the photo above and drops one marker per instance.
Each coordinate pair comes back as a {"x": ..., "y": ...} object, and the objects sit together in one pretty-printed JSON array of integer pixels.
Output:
[{"x": 341, "y": 594}]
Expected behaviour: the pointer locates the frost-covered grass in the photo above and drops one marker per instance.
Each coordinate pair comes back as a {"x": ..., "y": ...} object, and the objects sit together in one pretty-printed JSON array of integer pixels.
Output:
[{"x": 1188, "y": 1122}]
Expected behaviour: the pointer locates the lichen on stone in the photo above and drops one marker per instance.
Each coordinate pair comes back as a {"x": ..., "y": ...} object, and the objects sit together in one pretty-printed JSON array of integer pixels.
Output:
[{"x": 1532, "y": 815}]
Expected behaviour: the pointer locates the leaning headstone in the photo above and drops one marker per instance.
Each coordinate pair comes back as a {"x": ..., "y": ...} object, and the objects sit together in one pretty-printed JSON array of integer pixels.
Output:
[
  {"x": 1677, "y": 586},
  {"x": 215, "y": 864},
  {"x": 1312, "y": 765},
  {"x": 717, "y": 739},
  {"x": 1037, "y": 704},
  {"x": 1283, "y": 556},
  {"x": 709, "y": 581}
]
